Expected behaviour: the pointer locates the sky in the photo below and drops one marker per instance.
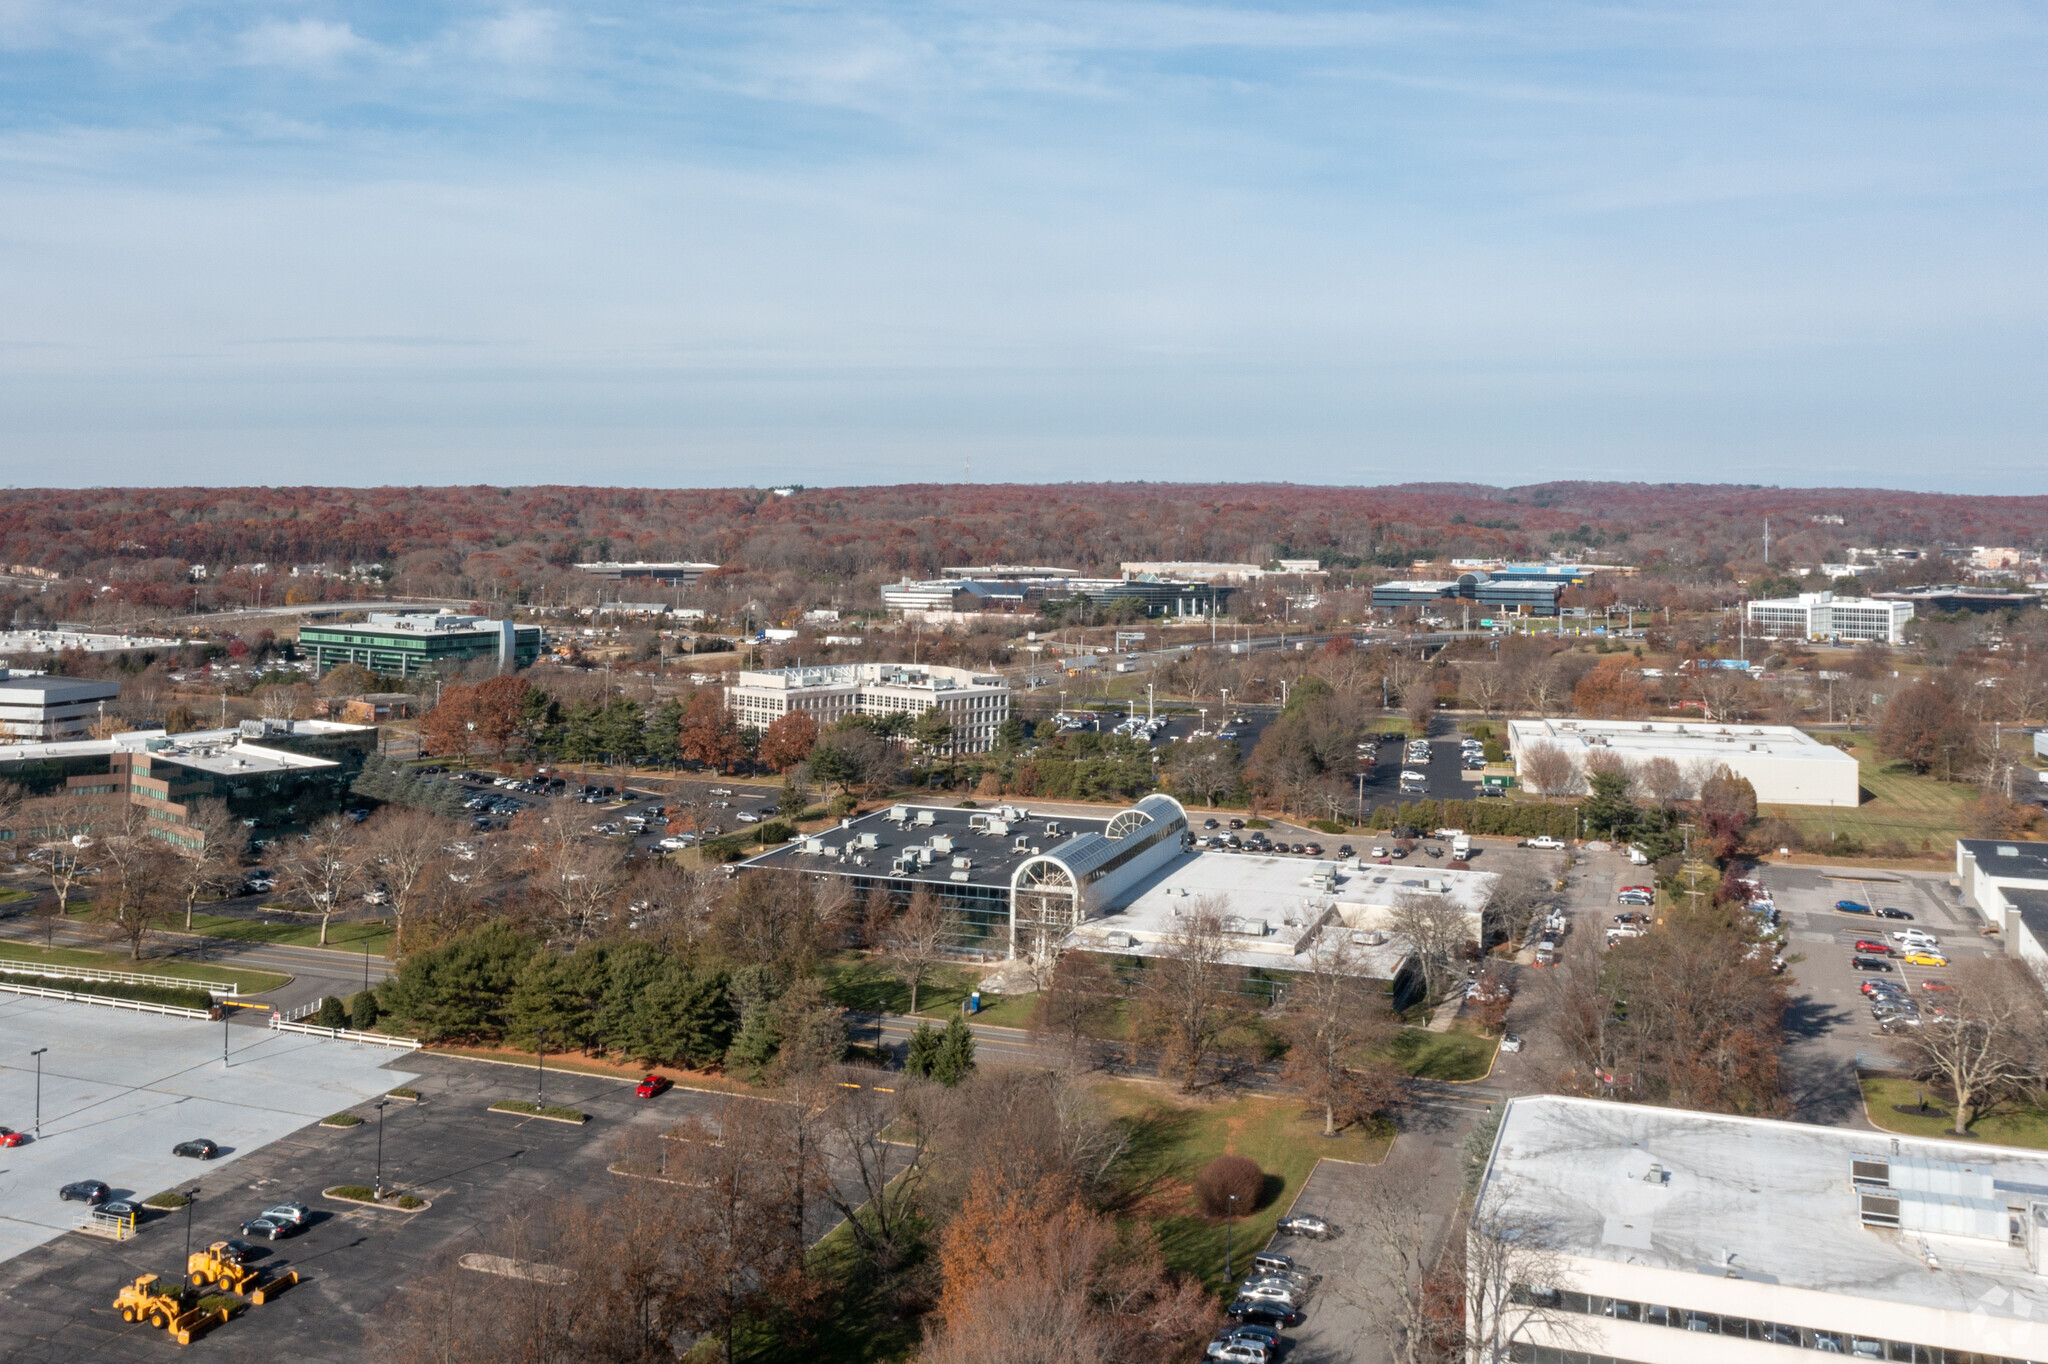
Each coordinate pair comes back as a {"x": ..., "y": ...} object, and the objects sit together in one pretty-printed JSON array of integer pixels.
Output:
[{"x": 686, "y": 244}]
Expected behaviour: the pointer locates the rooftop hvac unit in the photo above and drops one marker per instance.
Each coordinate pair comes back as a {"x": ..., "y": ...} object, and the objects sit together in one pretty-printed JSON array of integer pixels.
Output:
[
  {"x": 869, "y": 841},
  {"x": 925, "y": 818},
  {"x": 859, "y": 861},
  {"x": 814, "y": 846},
  {"x": 958, "y": 876},
  {"x": 899, "y": 813},
  {"x": 942, "y": 845},
  {"x": 963, "y": 864}
]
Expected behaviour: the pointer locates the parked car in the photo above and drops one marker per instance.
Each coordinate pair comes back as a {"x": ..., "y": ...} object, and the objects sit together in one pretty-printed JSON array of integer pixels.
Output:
[
  {"x": 1876, "y": 948},
  {"x": 273, "y": 1224},
  {"x": 1923, "y": 957},
  {"x": 1239, "y": 1351},
  {"x": 84, "y": 1191},
  {"x": 1510, "y": 1041},
  {"x": 127, "y": 1208},
  {"x": 1868, "y": 964},
  {"x": 651, "y": 1086},
  {"x": 1937, "y": 985},
  {"x": 1915, "y": 937},
  {"x": 1543, "y": 841},
  {"x": 1210, "y": 824},
  {"x": 1851, "y": 907},
  {"x": 1306, "y": 1224},
  {"x": 1889, "y": 913},
  {"x": 10, "y": 1137},
  {"x": 1262, "y": 1311},
  {"x": 747, "y": 817},
  {"x": 199, "y": 1148}
]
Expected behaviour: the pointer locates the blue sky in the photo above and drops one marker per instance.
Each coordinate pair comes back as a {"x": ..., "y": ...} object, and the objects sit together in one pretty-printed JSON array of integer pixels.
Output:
[{"x": 693, "y": 243}]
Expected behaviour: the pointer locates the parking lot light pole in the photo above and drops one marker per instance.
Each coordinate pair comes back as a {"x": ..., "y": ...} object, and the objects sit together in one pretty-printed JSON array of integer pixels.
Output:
[
  {"x": 540, "y": 1083},
  {"x": 1229, "y": 1227},
  {"x": 379, "y": 1195},
  {"x": 191, "y": 1197},
  {"x": 38, "y": 1054}
]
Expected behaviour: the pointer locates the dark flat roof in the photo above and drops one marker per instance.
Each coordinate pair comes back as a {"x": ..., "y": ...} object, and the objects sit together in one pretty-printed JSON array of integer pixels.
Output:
[
  {"x": 2026, "y": 861},
  {"x": 992, "y": 854}
]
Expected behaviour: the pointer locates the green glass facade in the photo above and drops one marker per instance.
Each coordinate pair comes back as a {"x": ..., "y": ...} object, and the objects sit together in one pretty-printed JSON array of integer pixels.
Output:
[{"x": 401, "y": 653}]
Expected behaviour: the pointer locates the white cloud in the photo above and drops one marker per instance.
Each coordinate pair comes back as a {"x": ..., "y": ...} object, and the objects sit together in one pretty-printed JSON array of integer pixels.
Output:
[
  {"x": 301, "y": 43},
  {"x": 519, "y": 37}
]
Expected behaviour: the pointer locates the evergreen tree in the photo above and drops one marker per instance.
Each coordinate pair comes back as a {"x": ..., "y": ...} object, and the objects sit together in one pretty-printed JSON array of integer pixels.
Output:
[
  {"x": 362, "y": 1010},
  {"x": 1609, "y": 813},
  {"x": 956, "y": 1053},
  {"x": 664, "y": 728},
  {"x": 333, "y": 1013},
  {"x": 923, "y": 1057}
]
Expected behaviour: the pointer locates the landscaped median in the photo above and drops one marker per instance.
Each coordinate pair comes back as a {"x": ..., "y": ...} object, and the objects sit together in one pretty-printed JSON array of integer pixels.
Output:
[
  {"x": 341, "y": 1120},
  {"x": 1910, "y": 1108},
  {"x": 367, "y": 1197},
  {"x": 521, "y": 1108},
  {"x": 177, "y": 997}
]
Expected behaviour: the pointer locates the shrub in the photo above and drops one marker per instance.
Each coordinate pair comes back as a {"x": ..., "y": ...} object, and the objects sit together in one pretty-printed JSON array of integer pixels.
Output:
[
  {"x": 1328, "y": 826},
  {"x": 341, "y": 1120},
  {"x": 333, "y": 1013},
  {"x": 1227, "y": 1175},
  {"x": 842, "y": 805},
  {"x": 403, "y": 1092},
  {"x": 533, "y": 1109},
  {"x": 775, "y": 831},
  {"x": 361, "y": 1193},
  {"x": 113, "y": 989},
  {"x": 408, "y": 1202},
  {"x": 167, "y": 1199},
  {"x": 1258, "y": 824},
  {"x": 362, "y": 1010}
]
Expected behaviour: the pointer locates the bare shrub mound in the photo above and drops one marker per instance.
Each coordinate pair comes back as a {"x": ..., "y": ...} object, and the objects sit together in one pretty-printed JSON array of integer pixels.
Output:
[{"x": 1227, "y": 1175}]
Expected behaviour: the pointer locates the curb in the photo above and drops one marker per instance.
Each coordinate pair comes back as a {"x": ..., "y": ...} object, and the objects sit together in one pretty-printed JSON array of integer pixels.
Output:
[{"x": 542, "y": 1117}]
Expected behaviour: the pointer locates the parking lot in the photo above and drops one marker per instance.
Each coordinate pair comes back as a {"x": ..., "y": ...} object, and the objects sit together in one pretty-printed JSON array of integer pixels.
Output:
[
  {"x": 1829, "y": 1027},
  {"x": 474, "y": 1167},
  {"x": 119, "y": 1089}
]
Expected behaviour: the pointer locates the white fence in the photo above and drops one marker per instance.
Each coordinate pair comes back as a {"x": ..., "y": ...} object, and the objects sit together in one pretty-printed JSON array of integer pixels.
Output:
[
  {"x": 37, "y": 968},
  {"x": 278, "y": 1024},
  {"x": 303, "y": 1011},
  {"x": 139, "y": 1006}
]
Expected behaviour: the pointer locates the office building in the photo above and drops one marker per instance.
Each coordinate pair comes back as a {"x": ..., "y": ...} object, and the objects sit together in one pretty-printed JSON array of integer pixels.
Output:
[
  {"x": 1196, "y": 571},
  {"x": 1535, "y": 595},
  {"x": 1824, "y": 616},
  {"x": 1787, "y": 766},
  {"x": 13, "y": 642},
  {"x": 1611, "y": 1233},
  {"x": 667, "y": 574},
  {"x": 411, "y": 642},
  {"x": 937, "y": 599},
  {"x": 1942, "y": 601},
  {"x": 976, "y": 704},
  {"x": 1025, "y": 882},
  {"x": 255, "y": 767},
  {"x": 35, "y": 708},
  {"x": 2006, "y": 882}
]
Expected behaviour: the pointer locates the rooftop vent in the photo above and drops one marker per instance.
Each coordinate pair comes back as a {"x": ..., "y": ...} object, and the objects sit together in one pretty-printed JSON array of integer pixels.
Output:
[{"x": 1878, "y": 1210}]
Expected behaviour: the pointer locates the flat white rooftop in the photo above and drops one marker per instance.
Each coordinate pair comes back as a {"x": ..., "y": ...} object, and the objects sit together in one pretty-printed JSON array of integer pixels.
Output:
[
  {"x": 212, "y": 750},
  {"x": 1283, "y": 897},
  {"x": 1677, "y": 739},
  {"x": 120, "y": 1089},
  {"x": 55, "y": 641},
  {"x": 1685, "y": 1191}
]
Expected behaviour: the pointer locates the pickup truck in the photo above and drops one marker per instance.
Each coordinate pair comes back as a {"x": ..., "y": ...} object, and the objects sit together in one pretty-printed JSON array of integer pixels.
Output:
[{"x": 1543, "y": 841}]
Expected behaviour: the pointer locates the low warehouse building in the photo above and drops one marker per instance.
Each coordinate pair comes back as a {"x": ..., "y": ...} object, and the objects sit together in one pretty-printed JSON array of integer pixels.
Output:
[{"x": 1787, "y": 766}]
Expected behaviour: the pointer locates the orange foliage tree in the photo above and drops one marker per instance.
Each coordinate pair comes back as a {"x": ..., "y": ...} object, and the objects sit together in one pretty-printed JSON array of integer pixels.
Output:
[
  {"x": 788, "y": 740},
  {"x": 1030, "y": 1271},
  {"x": 449, "y": 729},
  {"x": 708, "y": 733},
  {"x": 497, "y": 704},
  {"x": 1611, "y": 693}
]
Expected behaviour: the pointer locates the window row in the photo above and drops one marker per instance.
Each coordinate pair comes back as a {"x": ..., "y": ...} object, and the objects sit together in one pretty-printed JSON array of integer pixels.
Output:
[{"x": 1743, "y": 1328}]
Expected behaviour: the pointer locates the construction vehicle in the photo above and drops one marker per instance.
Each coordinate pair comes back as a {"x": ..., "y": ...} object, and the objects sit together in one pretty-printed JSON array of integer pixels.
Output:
[
  {"x": 217, "y": 1265},
  {"x": 143, "y": 1300}
]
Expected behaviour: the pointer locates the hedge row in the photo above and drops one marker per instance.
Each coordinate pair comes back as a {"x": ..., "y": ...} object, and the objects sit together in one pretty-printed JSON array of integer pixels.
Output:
[
  {"x": 1511, "y": 818},
  {"x": 175, "y": 995}
]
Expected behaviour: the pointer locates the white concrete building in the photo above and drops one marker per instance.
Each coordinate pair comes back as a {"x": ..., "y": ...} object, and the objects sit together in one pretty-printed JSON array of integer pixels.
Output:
[
  {"x": 39, "y": 709},
  {"x": 976, "y": 704},
  {"x": 2007, "y": 883},
  {"x": 1823, "y": 615},
  {"x": 1644, "y": 1235},
  {"x": 1787, "y": 766}
]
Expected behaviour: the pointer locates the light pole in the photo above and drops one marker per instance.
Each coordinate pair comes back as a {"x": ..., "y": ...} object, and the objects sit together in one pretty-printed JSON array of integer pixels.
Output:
[
  {"x": 191, "y": 1197},
  {"x": 224, "y": 1016},
  {"x": 38, "y": 1054},
  {"x": 540, "y": 1081},
  {"x": 1229, "y": 1230},
  {"x": 880, "y": 1006},
  {"x": 379, "y": 1196}
]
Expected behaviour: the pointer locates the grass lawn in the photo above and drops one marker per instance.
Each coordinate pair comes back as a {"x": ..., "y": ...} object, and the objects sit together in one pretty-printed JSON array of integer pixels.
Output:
[
  {"x": 1899, "y": 805},
  {"x": 8, "y": 897},
  {"x": 1455, "y": 1055},
  {"x": 856, "y": 982},
  {"x": 342, "y": 937},
  {"x": 1173, "y": 1138},
  {"x": 2003, "y": 1126},
  {"x": 250, "y": 982}
]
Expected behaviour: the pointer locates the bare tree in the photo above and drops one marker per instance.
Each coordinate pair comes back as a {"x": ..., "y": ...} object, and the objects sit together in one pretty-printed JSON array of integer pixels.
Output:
[
  {"x": 575, "y": 879},
  {"x": 406, "y": 851},
  {"x": 1516, "y": 897},
  {"x": 1988, "y": 1043},
  {"x": 324, "y": 869},
  {"x": 1074, "y": 1005},
  {"x": 914, "y": 943},
  {"x": 1660, "y": 779},
  {"x": 1385, "y": 1264},
  {"x": 131, "y": 893},
  {"x": 1548, "y": 769},
  {"x": 1438, "y": 932},
  {"x": 1723, "y": 692},
  {"x": 1335, "y": 1019},
  {"x": 883, "y": 1139},
  {"x": 1482, "y": 685},
  {"x": 212, "y": 844},
  {"x": 1190, "y": 990},
  {"x": 1511, "y": 1270}
]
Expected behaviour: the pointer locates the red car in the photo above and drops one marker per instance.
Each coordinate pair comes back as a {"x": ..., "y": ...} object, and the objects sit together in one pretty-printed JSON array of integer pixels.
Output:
[
  {"x": 1881, "y": 949},
  {"x": 1931, "y": 983},
  {"x": 1638, "y": 890},
  {"x": 652, "y": 1086},
  {"x": 10, "y": 1137}
]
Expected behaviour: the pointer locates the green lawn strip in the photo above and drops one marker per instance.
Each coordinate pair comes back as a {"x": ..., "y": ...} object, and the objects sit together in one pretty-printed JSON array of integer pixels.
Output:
[
  {"x": 1454, "y": 1055},
  {"x": 1902, "y": 805},
  {"x": 251, "y": 982},
  {"x": 2003, "y": 1126},
  {"x": 1170, "y": 1143},
  {"x": 8, "y": 897},
  {"x": 341, "y": 937}
]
